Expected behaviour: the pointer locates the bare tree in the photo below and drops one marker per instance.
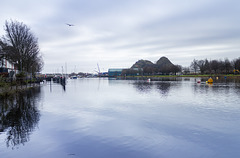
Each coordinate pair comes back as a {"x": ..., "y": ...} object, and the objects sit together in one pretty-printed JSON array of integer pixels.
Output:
[
  {"x": 201, "y": 65},
  {"x": 227, "y": 65},
  {"x": 214, "y": 64},
  {"x": 2, "y": 55},
  {"x": 236, "y": 64},
  {"x": 186, "y": 70},
  {"x": 194, "y": 65},
  {"x": 21, "y": 46},
  {"x": 207, "y": 66}
]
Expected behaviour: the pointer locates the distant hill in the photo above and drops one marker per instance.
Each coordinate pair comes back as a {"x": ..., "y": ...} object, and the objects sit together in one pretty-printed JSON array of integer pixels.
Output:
[
  {"x": 142, "y": 64},
  {"x": 147, "y": 66},
  {"x": 163, "y": 65},
  {"x": 164, "y": 61}
]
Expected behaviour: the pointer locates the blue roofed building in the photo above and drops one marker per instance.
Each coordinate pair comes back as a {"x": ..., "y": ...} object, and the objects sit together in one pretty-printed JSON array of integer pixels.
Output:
[{"x": 114, "y": 72}]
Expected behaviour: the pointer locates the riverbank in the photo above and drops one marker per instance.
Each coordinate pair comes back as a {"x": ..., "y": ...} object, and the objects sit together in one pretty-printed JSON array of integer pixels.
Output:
[
  {"x": 159, "y": 77},
  {"x": 8, "y": 90}
]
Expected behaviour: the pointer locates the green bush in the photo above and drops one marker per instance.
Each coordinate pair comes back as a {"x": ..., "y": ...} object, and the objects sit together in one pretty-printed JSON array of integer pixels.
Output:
[
  {"x": 2, "y": 81},
  {"x": 21, "y": 75}
]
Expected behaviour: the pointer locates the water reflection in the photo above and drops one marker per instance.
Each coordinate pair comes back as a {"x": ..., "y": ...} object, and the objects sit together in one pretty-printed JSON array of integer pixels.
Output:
[
  {"x": 163, "y": 87},
  {"x": 64, "y": 87},
  {"x": 224, "y": 88},
  {"x": 19, "y": 116},
  {"x": 166, "y": 79},
  {"x": 143, "y": 86}
]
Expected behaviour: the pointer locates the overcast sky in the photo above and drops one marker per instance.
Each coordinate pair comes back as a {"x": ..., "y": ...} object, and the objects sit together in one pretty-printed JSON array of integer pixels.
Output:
[{"x": 117, "y": 33}]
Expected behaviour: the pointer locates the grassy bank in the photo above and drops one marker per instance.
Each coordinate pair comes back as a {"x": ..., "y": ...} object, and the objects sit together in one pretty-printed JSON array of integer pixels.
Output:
[
  {"x": 10, "y": 88},
  {"x": 207, "y": 75},
  {"x": 164, "y": 77}
]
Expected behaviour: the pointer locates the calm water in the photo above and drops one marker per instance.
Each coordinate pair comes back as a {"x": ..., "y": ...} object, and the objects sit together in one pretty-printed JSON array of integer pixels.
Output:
[{"x": 101, "y": 118}]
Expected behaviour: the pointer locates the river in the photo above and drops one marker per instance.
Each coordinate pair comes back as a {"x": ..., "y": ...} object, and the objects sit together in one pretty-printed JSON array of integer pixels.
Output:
[{"x": 109, "y": 118}]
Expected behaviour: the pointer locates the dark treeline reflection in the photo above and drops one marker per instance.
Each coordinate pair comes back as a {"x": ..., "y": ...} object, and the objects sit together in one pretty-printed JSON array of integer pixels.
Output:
[
  {"x": 217, "y": 88},
  {"x": 19, "y": 116},
  {"x": 166, "y": 79},
  {"x": 144, "y": 87},
  {"x": 163, "y": 87}
]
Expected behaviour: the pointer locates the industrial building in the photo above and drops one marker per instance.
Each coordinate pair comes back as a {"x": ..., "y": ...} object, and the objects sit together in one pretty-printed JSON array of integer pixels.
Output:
[{"x": 114, "y": 72}]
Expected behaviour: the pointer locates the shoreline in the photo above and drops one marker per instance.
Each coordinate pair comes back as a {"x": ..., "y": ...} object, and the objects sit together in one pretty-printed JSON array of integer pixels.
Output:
[
  {"x": 159, "y": 77},
  {"x": 11, "y": 90}
]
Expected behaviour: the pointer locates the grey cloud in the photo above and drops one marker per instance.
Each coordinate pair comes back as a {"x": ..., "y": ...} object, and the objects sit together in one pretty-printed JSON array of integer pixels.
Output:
[{"x": 117, "y": 33}]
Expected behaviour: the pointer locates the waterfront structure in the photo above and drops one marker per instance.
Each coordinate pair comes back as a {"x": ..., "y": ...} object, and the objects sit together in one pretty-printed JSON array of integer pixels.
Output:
[
  {"x": 114, "y": 72},
  {"x": 7, "y": 67}
]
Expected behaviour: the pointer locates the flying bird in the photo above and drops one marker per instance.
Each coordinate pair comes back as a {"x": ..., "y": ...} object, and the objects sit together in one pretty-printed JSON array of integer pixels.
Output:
[{"x": 69, "y": 24}]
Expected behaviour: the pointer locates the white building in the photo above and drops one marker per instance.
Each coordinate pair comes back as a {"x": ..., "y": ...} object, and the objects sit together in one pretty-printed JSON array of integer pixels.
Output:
[{"x": 6, "y": 66}]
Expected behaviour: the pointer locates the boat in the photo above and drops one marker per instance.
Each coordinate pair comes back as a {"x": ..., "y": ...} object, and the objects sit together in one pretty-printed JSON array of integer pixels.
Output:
[{"x": 74, "y": 77}]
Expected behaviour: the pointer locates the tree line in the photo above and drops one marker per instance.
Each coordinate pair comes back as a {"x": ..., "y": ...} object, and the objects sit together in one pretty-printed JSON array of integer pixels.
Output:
[
  {"x": 216, "y": 66},
  {"x": 164, "y": 67},
  {"x": 20, "y": 47}
]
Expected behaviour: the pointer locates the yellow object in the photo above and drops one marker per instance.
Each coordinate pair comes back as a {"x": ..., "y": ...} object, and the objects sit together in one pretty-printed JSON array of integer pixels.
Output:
[
  {"x": 236, "y": 70},
  {"x": 210, "y": 80}
]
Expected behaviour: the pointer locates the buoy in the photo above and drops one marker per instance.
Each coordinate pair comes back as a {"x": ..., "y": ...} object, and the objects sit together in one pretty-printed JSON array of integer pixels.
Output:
[
  {"x": 210, "y": 80},
  {"x": 149, "y": 80},
  {"x": 199, "y": 81}
]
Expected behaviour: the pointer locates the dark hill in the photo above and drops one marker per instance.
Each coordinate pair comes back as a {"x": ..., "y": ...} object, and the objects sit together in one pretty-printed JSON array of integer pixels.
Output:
[
  {"x": 142, "y": 64},
  {"x": 164, "y": 62},
  {"x": 162, "y": 66},
  {"x": 147, "y": 66}
]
